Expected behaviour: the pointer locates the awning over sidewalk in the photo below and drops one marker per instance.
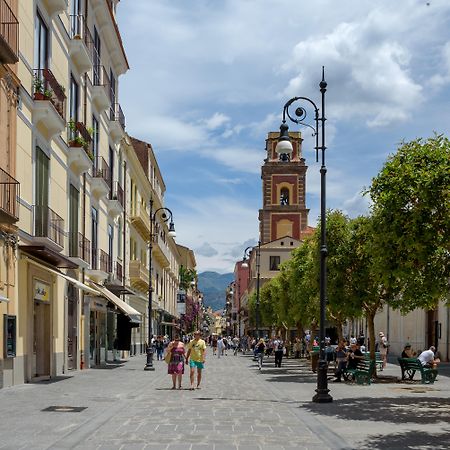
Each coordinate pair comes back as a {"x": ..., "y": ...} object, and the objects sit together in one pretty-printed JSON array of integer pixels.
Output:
[
  {"x": 74, "y": 281},
  {"x": 134, "y": 316}
]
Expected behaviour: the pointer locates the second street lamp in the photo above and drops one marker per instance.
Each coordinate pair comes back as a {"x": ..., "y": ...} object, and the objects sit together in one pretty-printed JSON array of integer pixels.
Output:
[
  {"x": 247, "y": 253},
  {"x": 165, "y": 214},
  {"x": 284, "y": 149}
]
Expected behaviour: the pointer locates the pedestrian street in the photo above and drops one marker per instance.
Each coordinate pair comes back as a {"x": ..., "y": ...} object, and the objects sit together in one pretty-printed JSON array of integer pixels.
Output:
[{"x": 238, "y": 407}]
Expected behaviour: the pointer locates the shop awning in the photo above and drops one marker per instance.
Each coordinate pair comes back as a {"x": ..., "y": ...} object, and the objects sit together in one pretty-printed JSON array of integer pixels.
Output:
[
  {"x": 74, "y": 281},
  {"x": 134, "y": 316}
]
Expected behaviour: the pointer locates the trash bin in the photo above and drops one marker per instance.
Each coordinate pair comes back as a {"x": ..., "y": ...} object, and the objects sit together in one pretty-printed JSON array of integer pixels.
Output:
[{"x": 314, "y": 360}]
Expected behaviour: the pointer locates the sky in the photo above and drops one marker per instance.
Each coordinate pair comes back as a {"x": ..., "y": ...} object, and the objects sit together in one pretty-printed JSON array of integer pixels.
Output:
[{"x": 208, "y": 80}]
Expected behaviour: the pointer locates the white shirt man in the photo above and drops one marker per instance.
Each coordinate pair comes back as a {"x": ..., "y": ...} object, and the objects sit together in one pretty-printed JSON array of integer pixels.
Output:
[{"x": 427, "y": 357}]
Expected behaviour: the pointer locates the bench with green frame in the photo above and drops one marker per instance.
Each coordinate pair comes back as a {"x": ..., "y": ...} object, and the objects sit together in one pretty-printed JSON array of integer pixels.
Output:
[
  {"x": 363, "y": 373},
  {"x": 410, "y": 366},
  {"x": 378, "y": 359}
]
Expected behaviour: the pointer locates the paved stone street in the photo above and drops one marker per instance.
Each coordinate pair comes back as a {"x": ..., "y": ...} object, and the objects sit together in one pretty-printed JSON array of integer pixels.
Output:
[{"x": 238, "y": 407}]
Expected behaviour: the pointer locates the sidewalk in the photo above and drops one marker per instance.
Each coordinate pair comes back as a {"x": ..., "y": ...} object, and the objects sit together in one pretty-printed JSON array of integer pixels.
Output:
[{"x": 238, "y": 407}]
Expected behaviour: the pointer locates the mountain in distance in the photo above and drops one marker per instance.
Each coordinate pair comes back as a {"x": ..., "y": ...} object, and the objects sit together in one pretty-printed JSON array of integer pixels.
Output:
[{"x": 213, "y": 285}]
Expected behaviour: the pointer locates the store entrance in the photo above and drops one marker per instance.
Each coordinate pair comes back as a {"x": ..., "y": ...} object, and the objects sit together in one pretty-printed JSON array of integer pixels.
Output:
[{"x": 42, "y": 341}]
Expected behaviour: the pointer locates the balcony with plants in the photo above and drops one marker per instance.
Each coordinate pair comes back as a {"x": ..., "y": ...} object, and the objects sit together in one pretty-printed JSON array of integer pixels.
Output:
[
  {"x": 49, "y": 103},
  {"x": 79, "y": 141},
  {"x": 9, "y": 35},
  {"x": 81, "y": 44}
]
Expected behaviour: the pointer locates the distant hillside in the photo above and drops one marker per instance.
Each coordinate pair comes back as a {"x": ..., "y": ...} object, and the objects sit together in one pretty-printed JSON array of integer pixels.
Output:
[{"x": 213, "y": 286}]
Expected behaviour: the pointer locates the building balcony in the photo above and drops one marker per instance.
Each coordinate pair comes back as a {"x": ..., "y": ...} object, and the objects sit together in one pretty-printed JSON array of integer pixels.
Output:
[
  {"x": 139, "y": 218},
  {"x": 79, "y": 142},
  {"x": 55, "y": 7},
  {"x": 80, "y": 250},
  {"x": 160, "y": 251},
  {"x": 138, "y": 274},
  {"x": 115, "y": 202},
  {"x": 9, "y": 35},
  {"x": 100, "y": 88},
  {"x": 49, "y": 102},
  {"x": 101, "y": 178},
  {"x": 81, "y": 45},
  {"x": 101, "y": 266},
  {"x": 116, "y": 122},
  {"x": 48, "y": 228},
  {"x": 9, "y": 195}
]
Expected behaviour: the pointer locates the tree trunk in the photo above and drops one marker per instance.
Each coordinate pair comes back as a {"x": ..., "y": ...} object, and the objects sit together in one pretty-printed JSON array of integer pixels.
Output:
[{"x": 370, "y": 317}]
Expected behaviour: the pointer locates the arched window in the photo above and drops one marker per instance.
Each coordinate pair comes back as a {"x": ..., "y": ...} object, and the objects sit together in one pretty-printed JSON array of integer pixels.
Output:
[{"x": 284, "y": 196}]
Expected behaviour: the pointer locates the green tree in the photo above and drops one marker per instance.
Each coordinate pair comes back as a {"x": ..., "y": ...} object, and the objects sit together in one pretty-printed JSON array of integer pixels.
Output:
[{"x": 411, "y": 211}]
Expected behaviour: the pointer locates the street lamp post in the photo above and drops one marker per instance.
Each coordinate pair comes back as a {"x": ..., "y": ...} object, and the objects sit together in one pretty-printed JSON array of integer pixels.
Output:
[
  {"x": 284, "y": 147},
  {"x": 165, "y": 216},
  {"x": 247, "y": 253}
]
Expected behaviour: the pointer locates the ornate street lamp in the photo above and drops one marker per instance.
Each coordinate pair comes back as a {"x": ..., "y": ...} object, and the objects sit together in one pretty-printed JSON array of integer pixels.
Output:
[
  {"x": 165, "y": 214},
  {"x": 284, "y": 149},
  {"x": 247, "y": 253}
]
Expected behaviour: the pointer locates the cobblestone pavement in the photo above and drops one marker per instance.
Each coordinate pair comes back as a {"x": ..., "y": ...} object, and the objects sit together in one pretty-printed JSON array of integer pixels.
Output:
[{"x": 238, "y": 407}]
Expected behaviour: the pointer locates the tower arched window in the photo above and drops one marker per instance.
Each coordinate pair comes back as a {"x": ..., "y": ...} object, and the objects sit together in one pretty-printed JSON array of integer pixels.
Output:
[{"x": 284, "y": 196}]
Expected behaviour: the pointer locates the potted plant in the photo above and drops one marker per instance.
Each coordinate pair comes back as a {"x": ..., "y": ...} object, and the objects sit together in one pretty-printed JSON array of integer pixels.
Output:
[
  {"x": 75, "y": 140},
  {"x": 39, "y": 93}
]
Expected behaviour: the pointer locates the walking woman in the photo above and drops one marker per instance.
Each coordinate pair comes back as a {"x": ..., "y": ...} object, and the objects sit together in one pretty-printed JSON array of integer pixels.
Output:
[{"x": 176, "y": 362}]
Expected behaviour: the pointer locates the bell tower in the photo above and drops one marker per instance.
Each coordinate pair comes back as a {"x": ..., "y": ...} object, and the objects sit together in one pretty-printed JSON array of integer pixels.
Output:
[{"x": 283, "y": 175}]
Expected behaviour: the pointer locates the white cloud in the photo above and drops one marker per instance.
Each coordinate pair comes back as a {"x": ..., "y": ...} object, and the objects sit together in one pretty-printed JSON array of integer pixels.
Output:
[
  {"x": 206, "y": 250},
  {"x": 216, "y": 121}
]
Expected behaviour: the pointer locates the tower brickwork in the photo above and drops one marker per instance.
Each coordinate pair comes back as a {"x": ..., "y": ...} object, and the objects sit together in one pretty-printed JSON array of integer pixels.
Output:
[{"x": 284, "y": 211}]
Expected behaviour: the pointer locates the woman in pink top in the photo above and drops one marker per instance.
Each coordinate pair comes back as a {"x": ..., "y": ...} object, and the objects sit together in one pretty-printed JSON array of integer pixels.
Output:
[{"x": 176, "y": 363}]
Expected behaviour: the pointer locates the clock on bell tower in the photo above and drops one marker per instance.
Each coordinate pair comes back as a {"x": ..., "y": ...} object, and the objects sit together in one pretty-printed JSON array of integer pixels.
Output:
[{"x": 284, "y": 211}]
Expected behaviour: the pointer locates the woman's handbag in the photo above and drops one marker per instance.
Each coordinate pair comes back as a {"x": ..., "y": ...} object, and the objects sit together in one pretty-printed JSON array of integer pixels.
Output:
[{"x": 168, "y": 357}]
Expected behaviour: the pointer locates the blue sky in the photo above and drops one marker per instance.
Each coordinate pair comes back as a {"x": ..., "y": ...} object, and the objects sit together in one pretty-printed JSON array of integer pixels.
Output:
[{"x": 209, "y": 78}]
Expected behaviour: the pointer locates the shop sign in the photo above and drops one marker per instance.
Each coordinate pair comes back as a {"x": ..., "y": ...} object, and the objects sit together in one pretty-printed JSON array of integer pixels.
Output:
[{"x": 41, "y": 291}]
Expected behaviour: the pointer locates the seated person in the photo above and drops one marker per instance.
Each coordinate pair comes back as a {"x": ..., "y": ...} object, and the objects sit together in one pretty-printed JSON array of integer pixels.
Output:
[
  {"x": 427, "y": 358},
  {"x": 354, "y": 355},
  {"x": 407, "y": 351}
]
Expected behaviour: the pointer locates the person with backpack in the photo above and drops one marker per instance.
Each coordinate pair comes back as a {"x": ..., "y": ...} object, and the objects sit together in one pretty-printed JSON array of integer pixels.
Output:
[
  {"x": 278, "y": 347},
  {"x": 259, "y": 352}
]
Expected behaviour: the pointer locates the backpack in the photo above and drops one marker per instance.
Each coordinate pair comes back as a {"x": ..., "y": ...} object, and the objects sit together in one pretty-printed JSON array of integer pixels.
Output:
[{"x": 280, "y": 345}]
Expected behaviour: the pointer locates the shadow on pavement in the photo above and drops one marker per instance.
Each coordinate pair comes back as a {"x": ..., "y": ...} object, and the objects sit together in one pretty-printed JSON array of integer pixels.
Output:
[
  {"x": 421, "y": 410},
  {"x": 52, "y": 380},
  {"x": 409, "y": 440}
]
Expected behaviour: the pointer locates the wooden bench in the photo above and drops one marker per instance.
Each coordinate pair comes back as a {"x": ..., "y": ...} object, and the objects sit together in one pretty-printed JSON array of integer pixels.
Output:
[
  {"x": 363, "y": 373},
  {"x": 378, "y": 359},
  {"x": 410, "y": 366}
]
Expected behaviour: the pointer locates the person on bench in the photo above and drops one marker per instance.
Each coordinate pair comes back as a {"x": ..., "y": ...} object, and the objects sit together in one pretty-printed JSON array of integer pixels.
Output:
[
  {"x": 354, "y": 355},
  {"x": 407, "y": 351},
  {"x": 428, "y": 359}
]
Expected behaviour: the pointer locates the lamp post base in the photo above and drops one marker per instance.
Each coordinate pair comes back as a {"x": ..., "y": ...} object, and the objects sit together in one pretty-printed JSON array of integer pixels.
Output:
[
  {"x": 322, "y": 391},
  {"x": 149, "y": 363}
]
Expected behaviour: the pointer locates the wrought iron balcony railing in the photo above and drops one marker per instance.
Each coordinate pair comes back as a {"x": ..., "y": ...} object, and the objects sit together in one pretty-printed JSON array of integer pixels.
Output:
[
  {"x": 48, "y": 224},
  {"x": 101, "y": 170},
  {"x": 80, "y": 247},
  {"x": 100, "y": 260},
  {"x": 45, "y": 87},
  {"x": 9, "y": 194},
  {"x": 117, "y": 193},
  {"x": 116, "y": 114},
  {"x": 9, "y": 35}
]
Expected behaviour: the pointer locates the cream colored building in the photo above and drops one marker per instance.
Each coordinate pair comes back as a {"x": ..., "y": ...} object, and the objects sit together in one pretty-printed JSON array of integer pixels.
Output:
[
  {"x": 9, "y": 187},
  {"x": 70, "y": 170},
  {"x": 145, "y": 183}
]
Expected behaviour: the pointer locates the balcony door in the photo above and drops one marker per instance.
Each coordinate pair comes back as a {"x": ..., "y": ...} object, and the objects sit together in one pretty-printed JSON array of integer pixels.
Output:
[
  {"x": 94, "y": 238},
  {"x": 41, "y": 193},
  {"x": 40, "y": 44},
  {"x": 74, "y": 205},
  {"x": 97, "y": 58}
]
